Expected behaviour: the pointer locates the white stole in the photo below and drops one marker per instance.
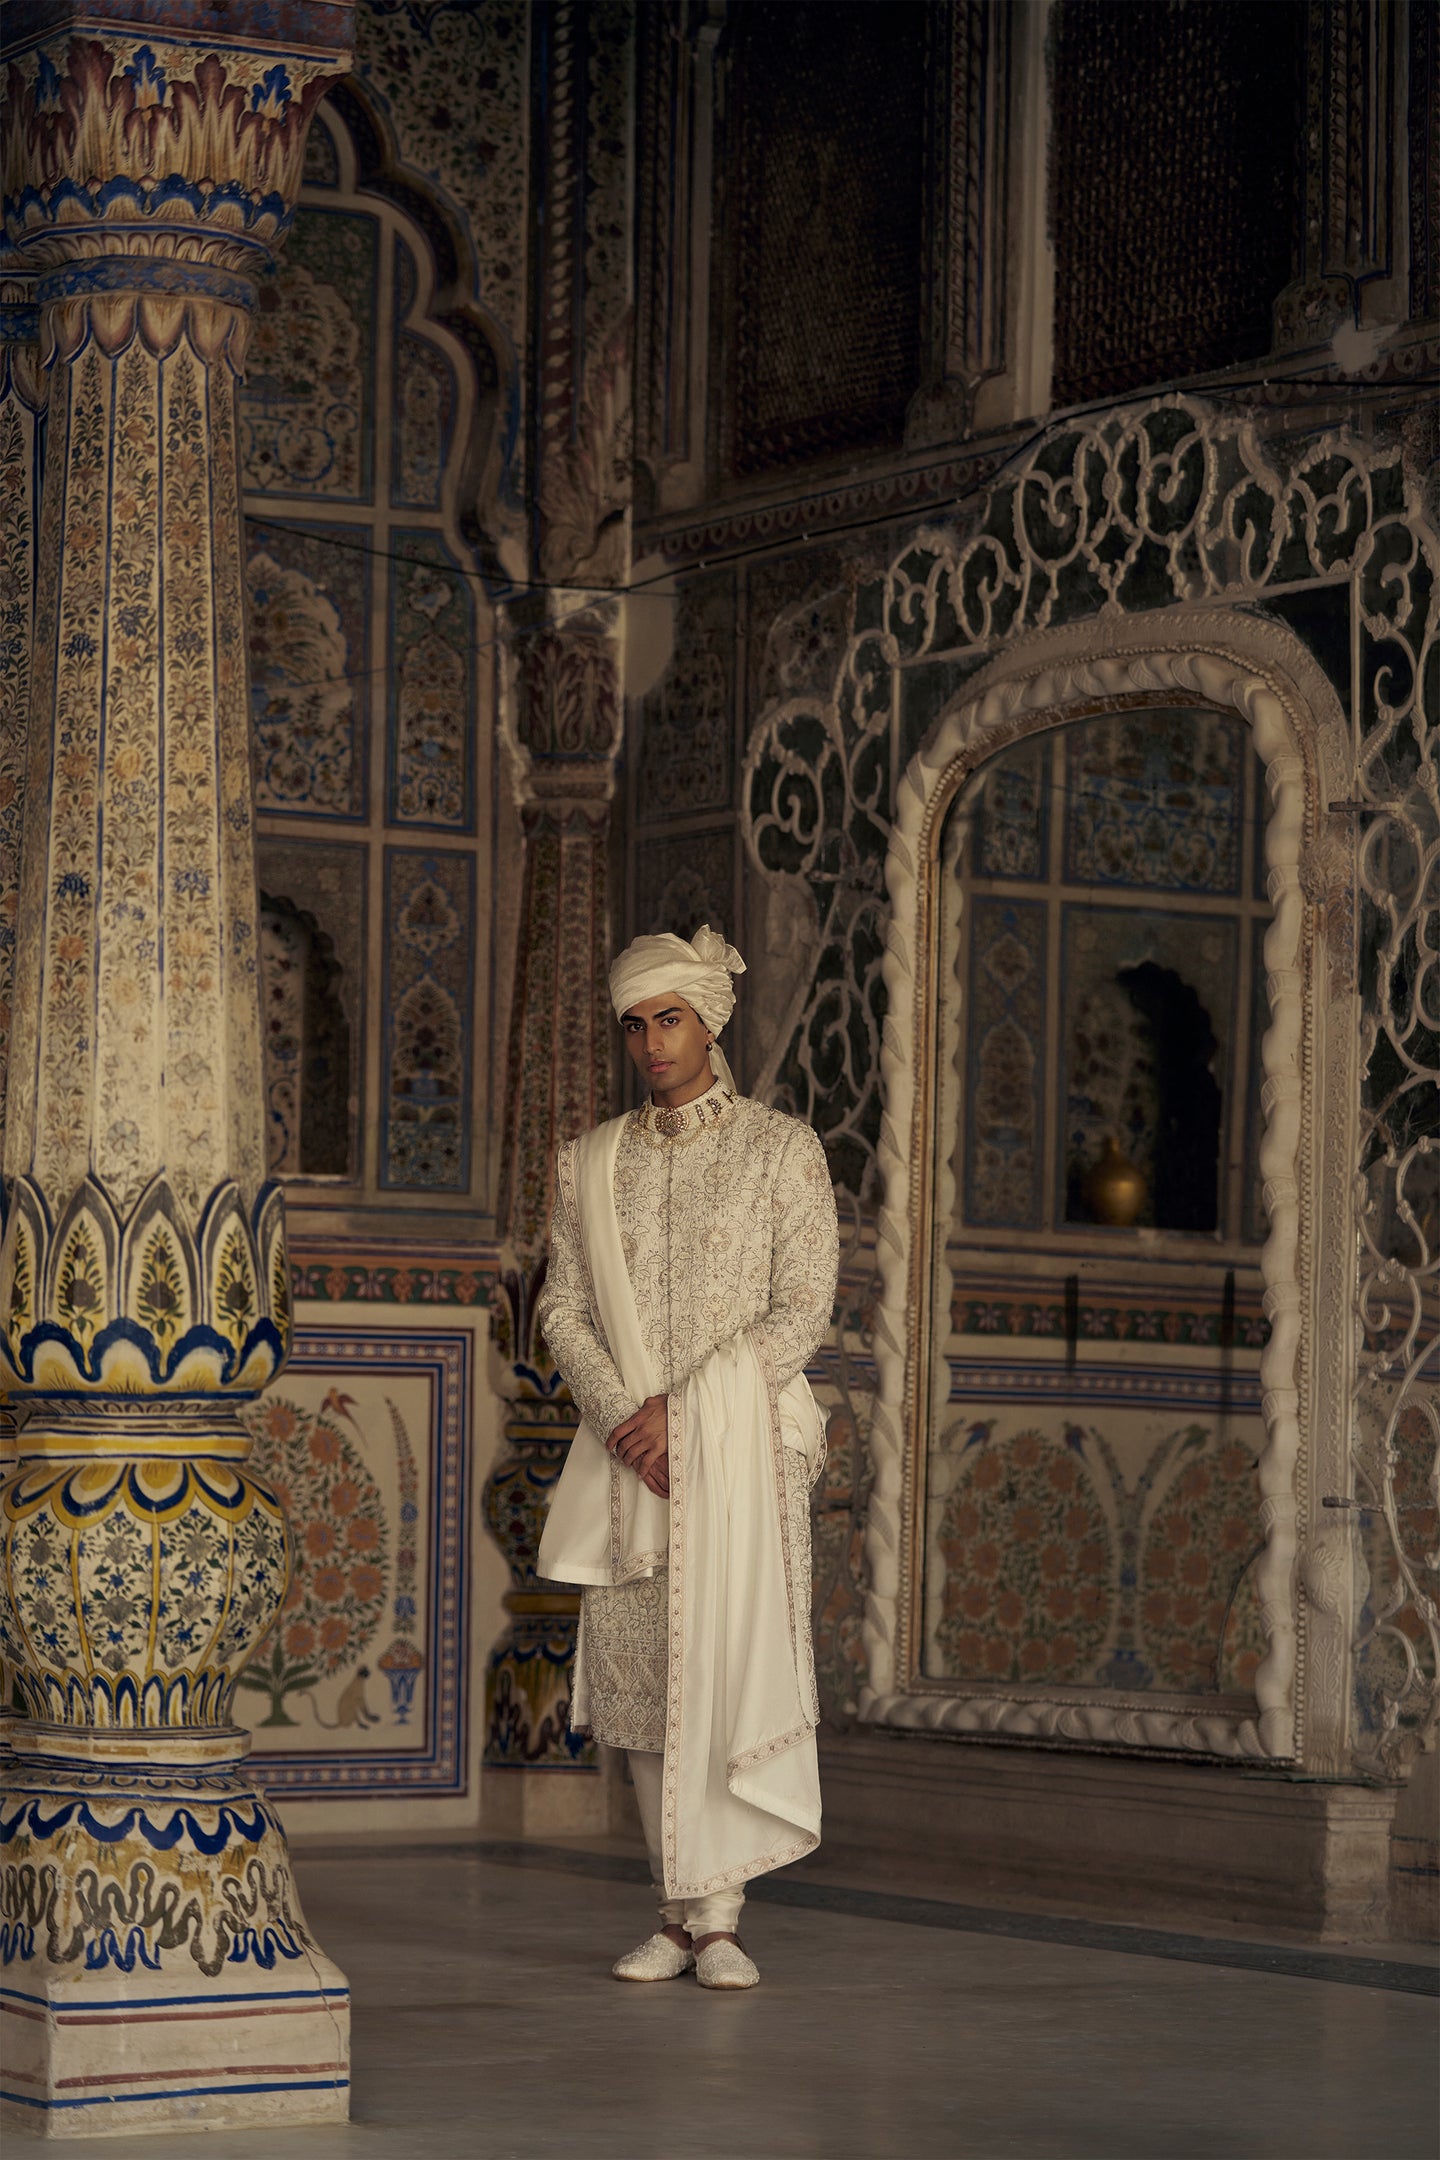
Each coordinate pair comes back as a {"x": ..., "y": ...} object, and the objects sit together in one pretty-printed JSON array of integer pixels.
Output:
[
  {"x": 741, "y": 1781},
  {"x": 604, "y": 1526}
]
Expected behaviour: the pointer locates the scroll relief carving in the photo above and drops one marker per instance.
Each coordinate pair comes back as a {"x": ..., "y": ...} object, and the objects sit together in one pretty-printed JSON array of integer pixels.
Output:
[{"x": 1120, "y": 522}]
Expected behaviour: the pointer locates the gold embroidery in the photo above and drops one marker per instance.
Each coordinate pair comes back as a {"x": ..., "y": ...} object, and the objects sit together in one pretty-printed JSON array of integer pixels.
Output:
[
  {"x": 728, "y": 1227},
  {"x": 626, "y": 1652},
  {"x": 749, "y": 1869},
  {"x": 627, "y": 1641},
  {"x": 675, "y": 1655},
  {"x": 766, "y": 1751},
  {"x": 737, "y": 1231}
]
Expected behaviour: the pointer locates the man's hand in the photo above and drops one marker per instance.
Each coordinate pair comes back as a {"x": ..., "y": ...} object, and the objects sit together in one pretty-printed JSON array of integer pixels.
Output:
[{"x": 642, "y": 1443}]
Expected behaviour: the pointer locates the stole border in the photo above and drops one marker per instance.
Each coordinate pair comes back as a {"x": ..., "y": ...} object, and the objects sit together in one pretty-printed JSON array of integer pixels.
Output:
[{"x": 780, "y": 1856}]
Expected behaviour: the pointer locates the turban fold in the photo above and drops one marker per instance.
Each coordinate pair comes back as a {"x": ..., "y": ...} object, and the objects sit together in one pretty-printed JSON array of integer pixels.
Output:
[{"x": 699, "y": 970}]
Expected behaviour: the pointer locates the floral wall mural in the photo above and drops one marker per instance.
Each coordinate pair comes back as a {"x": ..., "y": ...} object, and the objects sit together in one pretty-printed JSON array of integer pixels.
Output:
[
  {"x": 339, "y": 1559},
  {"x": 1046, "y": 1562},
  {"x": 360, "y": 1690},
  {"x": 308, "y": 425},
  {"x": 309, "y": 637}
]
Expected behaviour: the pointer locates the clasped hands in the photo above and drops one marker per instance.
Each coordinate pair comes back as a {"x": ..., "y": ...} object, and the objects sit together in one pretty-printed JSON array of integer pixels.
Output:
[{"x": 642, "y": 1443}]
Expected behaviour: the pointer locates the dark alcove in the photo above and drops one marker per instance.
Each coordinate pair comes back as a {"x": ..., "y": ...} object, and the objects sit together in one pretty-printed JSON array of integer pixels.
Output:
[{"x": 1187, "y": 1137}]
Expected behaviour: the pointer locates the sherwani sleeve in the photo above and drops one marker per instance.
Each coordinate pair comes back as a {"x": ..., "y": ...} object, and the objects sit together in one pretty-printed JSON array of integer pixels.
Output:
[
  {"x": 805, "y": 1258},
  {"x": 573, "y": 1334}
]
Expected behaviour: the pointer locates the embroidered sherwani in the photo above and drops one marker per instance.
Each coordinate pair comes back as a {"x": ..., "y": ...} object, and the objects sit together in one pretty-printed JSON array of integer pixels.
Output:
[{"x": 728, "y": 1233}]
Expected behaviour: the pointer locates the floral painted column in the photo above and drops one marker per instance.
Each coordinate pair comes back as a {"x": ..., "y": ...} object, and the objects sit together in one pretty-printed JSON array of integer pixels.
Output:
[
  {"x": 22, "y": 402},
  {"x": 159, "y": 1969}
]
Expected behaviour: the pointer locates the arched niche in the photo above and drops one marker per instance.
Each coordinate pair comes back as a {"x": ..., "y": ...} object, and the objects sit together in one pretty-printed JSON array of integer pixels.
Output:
[
  {"x": 1226, "y": 662},
  {"x": 377, "y": 425},
  {"x": 307, "y": 1041}
]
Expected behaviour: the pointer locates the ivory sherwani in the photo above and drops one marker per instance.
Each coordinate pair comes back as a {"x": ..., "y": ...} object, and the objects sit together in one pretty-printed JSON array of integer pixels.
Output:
[{"x": 696, "y": 1629}]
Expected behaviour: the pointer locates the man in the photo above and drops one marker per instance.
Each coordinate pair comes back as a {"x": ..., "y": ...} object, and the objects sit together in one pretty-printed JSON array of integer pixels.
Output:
[{"x": 693, "y": 1257}]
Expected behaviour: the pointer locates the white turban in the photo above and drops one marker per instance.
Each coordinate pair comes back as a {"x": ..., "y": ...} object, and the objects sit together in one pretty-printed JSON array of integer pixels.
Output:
[{"x": 698, "y": 970}]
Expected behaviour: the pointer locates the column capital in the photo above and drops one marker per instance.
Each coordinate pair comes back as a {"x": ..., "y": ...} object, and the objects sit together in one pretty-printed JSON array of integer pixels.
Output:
[
  {"x": 152, "y": 159},
  {"x": 560, "y": 794},
  {"x": 564, "y": 720}
]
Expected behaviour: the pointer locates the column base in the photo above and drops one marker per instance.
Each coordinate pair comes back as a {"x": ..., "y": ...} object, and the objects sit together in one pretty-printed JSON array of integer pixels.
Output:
[
  {"x": 113, "y": 2056},
  {"x": 157, "y": 1970},
  {"x": 528, "y": 1680},
  {"x": 544, "y": 1803}
]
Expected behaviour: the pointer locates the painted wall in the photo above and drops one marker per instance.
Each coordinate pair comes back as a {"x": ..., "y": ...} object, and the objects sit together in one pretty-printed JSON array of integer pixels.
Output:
[
  {"x": 375, "y": 396},
  {"x": 596, "y": 397},
  {"x": 835, "y": 593}
]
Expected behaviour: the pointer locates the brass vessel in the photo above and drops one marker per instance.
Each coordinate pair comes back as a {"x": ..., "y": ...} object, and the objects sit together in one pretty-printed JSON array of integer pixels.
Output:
[{"x": 1114, "y": 1189}]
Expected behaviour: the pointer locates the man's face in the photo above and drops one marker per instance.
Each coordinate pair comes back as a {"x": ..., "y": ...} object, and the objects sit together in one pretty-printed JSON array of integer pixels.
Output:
[{"x": 670, "y": 1046}]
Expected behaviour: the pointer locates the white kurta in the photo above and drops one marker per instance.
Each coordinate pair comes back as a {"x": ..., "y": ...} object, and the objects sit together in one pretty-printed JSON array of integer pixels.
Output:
[{"x": 722, "y": 1240}]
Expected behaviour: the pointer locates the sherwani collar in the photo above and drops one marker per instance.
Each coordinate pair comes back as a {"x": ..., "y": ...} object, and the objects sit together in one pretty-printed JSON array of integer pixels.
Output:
[{"x": 661, "y": 1124}]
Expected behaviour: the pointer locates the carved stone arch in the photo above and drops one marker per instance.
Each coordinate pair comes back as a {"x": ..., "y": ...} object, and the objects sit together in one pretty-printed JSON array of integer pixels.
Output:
[
  {"x": 1232, "y": 661},
  {"x": 351, "y": 126},
  {"x": 486, "y": 499}
]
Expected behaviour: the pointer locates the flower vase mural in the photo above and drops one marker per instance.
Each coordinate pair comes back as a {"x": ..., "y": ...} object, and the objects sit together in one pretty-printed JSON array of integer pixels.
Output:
[
  {"x": 402, "y": 1663},
  {"x": 144, "y": 1285},
  {"x": 1051, "y": 1560},
  {"x": 337, "y": 1580}
]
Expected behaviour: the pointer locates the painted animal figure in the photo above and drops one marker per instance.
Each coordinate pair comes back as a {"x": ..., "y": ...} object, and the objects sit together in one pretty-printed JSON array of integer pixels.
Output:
[{"x": 352, "y": 1708}]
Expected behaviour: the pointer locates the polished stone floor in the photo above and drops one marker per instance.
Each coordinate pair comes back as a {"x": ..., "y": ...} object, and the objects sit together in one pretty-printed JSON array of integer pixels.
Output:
[{"x": 486, "y": 2028}]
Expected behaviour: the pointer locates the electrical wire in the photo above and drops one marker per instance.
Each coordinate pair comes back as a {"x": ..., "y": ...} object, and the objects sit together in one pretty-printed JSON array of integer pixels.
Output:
[{"x": 639, "y": 588}]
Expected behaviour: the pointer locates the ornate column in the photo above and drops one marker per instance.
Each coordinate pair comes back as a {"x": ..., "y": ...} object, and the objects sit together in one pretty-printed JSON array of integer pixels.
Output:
[
  {"x": 1349, "y": 220},
  {"x": 563, "y": 725},
  {"x": 563, "y": 744},
  {"x": 529, "y": 1672},
  {"x": 22, "y": 403},
  {"x": 564, "y": 734},
  {"x": 143, "y": 1279},
  {"x": 967, "y": 340}
]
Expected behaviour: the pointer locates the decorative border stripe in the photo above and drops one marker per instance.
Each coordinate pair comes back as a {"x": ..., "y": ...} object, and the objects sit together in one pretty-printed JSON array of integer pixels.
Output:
[
  {"x": 166, "y": 2002},
  {"x": 338, "y": 1280},
  {"x": 1103, "y": 1384},
  {"x": 157, "y": 2077},
  {"x": 314, "y": 29},
  {"x": 1164, "y": 1386},
  {"x": 141, "y": 273},
  {"x": 176, "y": 2092},
  {"x": 122, "y": 2021}
]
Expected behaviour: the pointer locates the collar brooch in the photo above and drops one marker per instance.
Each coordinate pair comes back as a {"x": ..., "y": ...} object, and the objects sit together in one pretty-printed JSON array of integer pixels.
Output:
[{"x": 685, "y": 1121}]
